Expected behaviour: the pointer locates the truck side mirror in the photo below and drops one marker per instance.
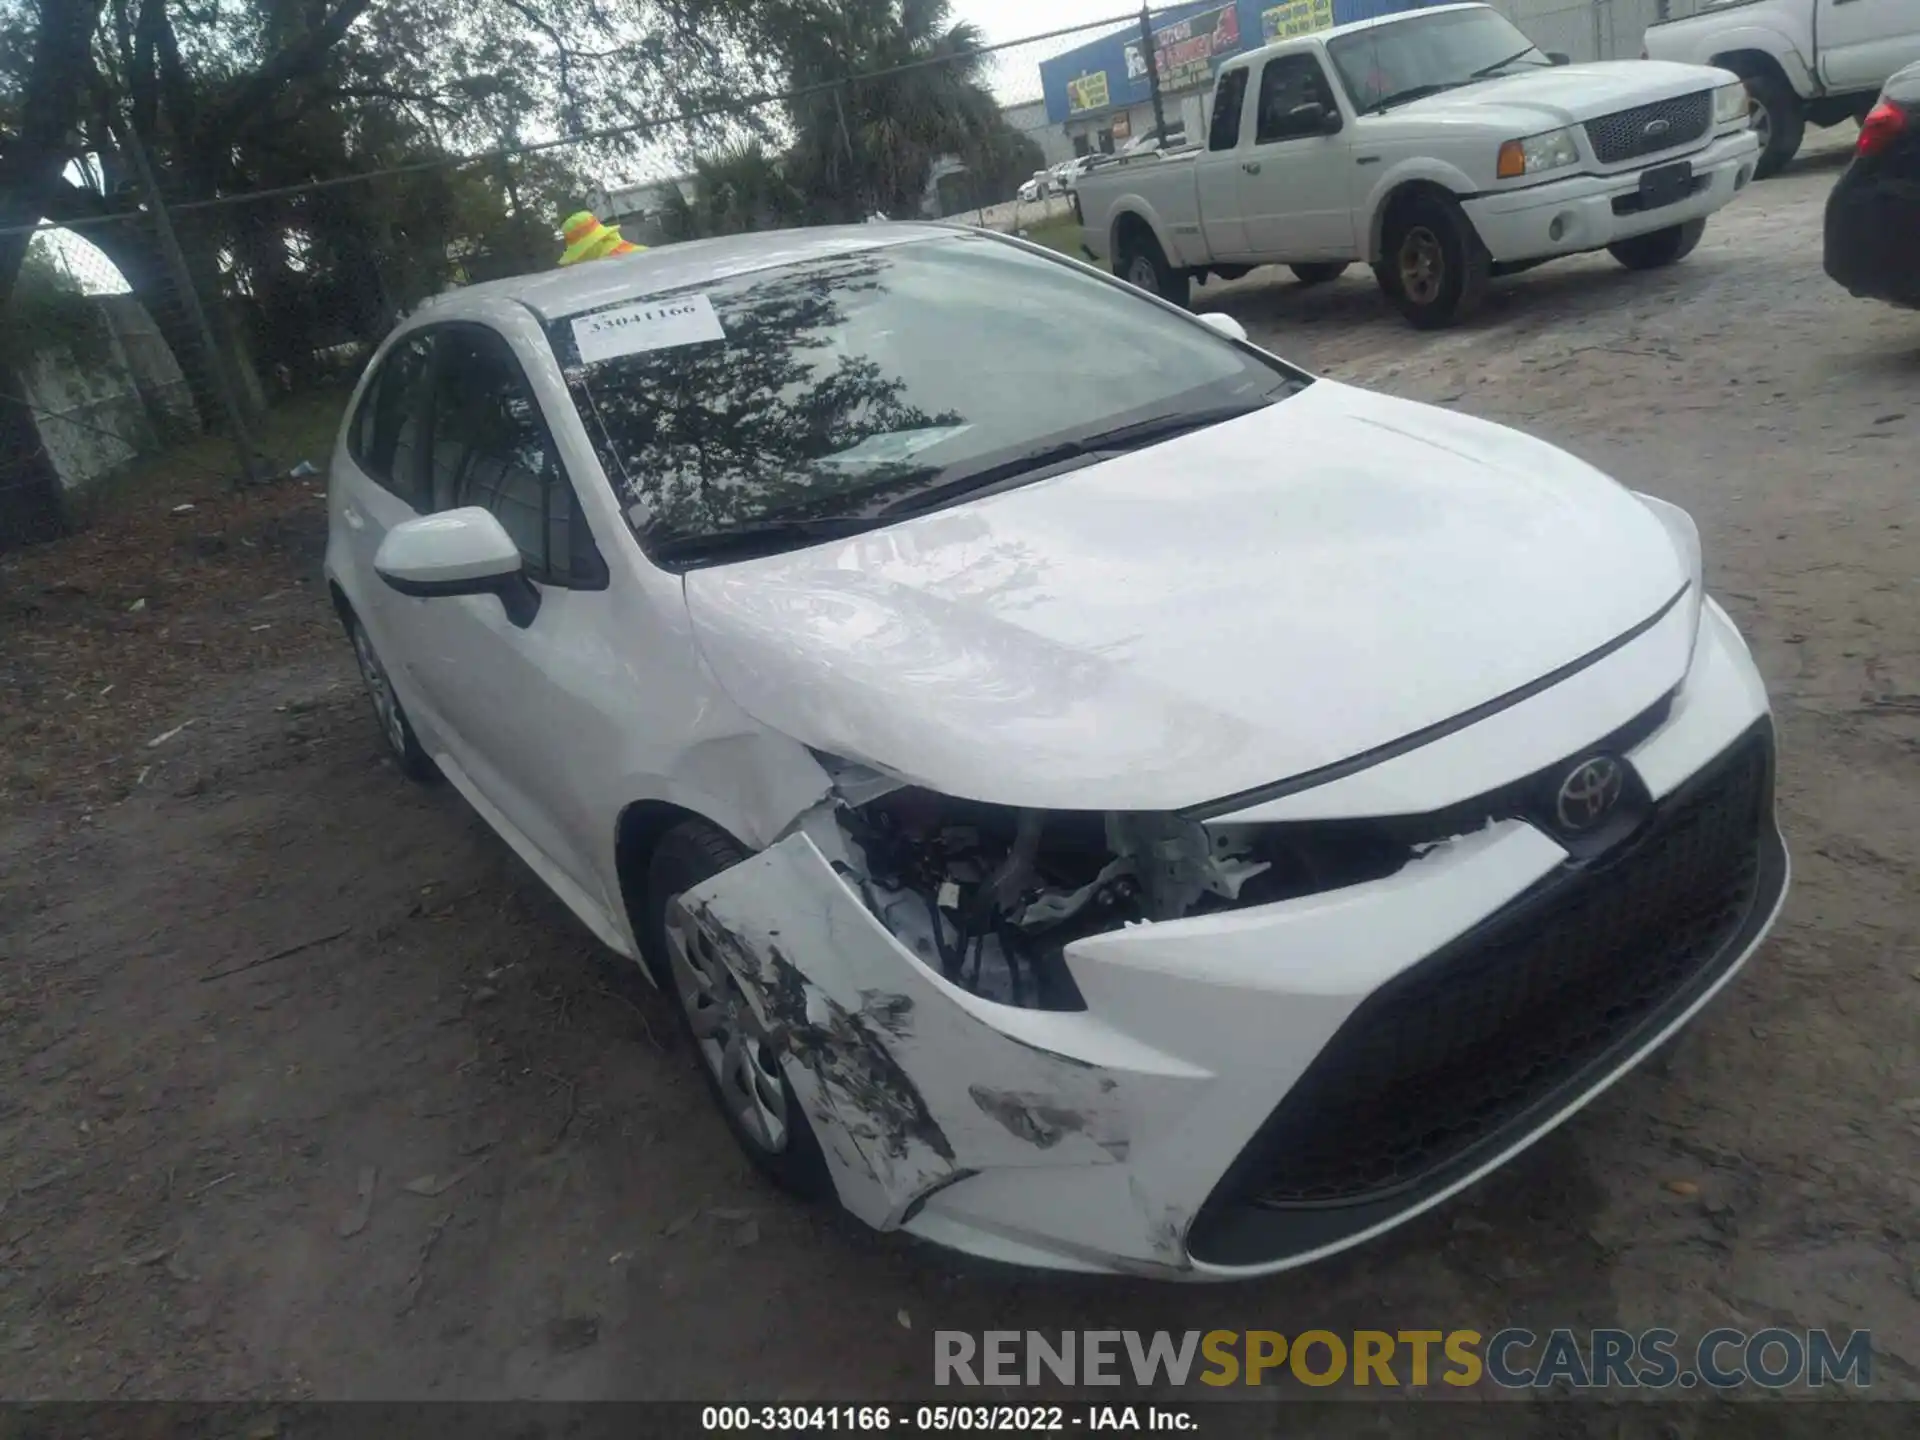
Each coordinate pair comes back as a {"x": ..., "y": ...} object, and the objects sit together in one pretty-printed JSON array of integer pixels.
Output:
[{"x": 1559, "y": 57}]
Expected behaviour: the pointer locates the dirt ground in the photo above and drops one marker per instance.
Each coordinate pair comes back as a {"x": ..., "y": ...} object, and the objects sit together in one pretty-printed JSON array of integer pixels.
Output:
[{"x": 248, "y": 974}]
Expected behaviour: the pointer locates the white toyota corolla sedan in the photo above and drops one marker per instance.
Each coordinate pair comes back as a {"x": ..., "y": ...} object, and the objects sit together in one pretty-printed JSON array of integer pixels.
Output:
[{"x": 1102, "y": 797}]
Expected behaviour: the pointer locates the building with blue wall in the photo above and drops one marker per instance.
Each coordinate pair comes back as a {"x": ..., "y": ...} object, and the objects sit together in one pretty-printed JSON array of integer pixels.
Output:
[{"x": 1099, "y": 93}]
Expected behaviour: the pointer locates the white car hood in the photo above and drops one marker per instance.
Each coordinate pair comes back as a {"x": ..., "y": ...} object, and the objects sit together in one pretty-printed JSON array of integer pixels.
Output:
[
  {"x": 1546, "y": 99},
  {"x": 1199, "y": 618}
]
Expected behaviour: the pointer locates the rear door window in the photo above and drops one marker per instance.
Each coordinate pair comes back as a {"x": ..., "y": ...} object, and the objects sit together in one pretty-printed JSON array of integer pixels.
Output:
[
  {"x": 385, "y": 437},
  {"x": 1229, "y": 98},
  {"x": 491, "y": 447}
]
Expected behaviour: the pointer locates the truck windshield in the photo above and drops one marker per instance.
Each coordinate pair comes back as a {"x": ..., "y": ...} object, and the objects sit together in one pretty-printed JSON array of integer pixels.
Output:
[
  {"x": 1421, "y": 55},
  {"x": 770, "y": 410}
]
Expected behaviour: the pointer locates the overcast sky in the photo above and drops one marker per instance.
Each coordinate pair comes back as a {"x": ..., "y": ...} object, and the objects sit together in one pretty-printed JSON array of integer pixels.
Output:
[{"x": 1016, "y": 72}]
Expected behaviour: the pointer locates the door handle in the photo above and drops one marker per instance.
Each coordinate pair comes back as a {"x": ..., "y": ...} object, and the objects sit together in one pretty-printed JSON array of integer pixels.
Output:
[
  {"x": 352, "y": 517},
  {"x": 1252, "y": 167}
]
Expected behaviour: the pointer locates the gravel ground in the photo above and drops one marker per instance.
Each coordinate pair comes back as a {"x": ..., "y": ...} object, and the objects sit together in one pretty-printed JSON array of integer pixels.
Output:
[{"x": 310, "y": 1090}]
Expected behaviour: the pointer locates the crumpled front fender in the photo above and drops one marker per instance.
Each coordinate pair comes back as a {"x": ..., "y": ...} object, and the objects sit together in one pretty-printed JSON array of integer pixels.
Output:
[{"x": 908, "y": 1085}]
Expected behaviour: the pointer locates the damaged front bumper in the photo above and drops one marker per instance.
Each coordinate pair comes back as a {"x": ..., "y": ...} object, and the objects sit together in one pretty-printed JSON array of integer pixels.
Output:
[{"x": 1255, "y": 1088}]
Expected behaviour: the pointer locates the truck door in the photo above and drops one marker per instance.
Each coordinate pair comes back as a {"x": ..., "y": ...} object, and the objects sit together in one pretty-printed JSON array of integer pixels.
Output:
[
  {"x": 1217, "y": 172},
  {"x": 1293, "y": 178},
  {"x": 1862, "y": 42}
]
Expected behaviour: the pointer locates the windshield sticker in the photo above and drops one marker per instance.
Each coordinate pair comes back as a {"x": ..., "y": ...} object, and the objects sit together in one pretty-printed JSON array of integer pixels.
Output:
[{"x": 649, "y": 325}]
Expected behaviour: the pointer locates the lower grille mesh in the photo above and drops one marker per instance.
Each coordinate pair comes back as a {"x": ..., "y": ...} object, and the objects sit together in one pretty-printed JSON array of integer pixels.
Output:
[{"x": 1468, "y": 1039}]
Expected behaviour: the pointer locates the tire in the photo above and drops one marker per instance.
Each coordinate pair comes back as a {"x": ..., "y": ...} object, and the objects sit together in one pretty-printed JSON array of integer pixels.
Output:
[
  {"x": 1433, "y": 265},
  {"x": 1775, "y": 112},
  {"x": 395, "y": 728},
  {"x": 1660, "y": 247},
  {"x": 739, "y": 1060},
  {"x": 1320, "y": 272},
  {"x": 1141, "y": 262}
]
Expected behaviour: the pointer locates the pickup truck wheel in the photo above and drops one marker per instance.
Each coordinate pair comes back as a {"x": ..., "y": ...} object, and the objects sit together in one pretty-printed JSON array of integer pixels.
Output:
[
  {"x": 1433, "y": 265},
  {"x": 1774, "y": 111},
  {"x": 1320, "y": 272},
  {"x": 1143, "y": 265},
  {"x": 1662, "y": 247}
]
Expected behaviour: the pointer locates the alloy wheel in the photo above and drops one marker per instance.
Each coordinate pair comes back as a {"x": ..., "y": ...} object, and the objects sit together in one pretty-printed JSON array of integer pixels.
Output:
[
  {"x": 1142, "y": 275},
  {"x": 1423, "y": 265},
  {"x": 733, "y": 1044},
  {"x": 380, "y": 691}
]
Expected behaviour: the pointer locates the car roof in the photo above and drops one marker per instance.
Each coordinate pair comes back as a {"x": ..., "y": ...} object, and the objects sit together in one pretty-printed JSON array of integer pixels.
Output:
[{"x": 560, "y": 292}]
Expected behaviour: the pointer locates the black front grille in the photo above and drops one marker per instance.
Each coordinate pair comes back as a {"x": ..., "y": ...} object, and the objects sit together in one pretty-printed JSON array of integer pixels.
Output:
[
  {"x": 1649, "y": 129},
  {"x": 1446, "y": 1056}
]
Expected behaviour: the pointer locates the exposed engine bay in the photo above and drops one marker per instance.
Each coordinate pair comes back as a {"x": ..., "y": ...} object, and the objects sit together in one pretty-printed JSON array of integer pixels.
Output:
[{"x": 991, "y": 896}]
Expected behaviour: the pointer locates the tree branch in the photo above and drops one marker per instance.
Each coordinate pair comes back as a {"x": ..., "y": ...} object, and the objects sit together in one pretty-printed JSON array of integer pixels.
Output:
[
  {"x": 563, "y": 54},
  {"x": 300, "y": 59}
]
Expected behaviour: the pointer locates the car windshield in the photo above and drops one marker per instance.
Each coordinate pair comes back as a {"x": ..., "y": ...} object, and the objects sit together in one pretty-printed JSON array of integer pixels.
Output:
[
  {"x": 1421, "y": 55},
  {"x": 766, "y": 411}
]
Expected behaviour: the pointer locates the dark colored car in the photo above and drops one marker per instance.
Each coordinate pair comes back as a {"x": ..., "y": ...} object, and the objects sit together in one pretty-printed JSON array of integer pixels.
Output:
[{"x": 1873, "y": 215}]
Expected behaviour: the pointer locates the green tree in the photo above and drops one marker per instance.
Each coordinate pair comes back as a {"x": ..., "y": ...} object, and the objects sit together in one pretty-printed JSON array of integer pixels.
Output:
[
  {"x": 889, "y": 87},
  {"x": 869, "y": 144},
  {"x": 230, "y": 97},
  {"x": 740, "y": 186}
]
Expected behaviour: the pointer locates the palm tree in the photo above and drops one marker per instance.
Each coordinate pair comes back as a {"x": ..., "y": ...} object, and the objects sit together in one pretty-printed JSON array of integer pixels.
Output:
[
  {"x": 870, "y": 144},
  {"x": 741, "y": 186}
]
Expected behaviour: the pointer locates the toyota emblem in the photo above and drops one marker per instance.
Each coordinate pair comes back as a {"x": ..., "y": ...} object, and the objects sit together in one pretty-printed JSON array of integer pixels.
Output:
[{"x": 1589, "y": 793}]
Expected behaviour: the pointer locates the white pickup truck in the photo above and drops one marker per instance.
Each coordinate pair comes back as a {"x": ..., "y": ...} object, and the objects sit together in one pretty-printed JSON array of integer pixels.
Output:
[
  {"x": 1438, "y": 145},
  {"x": 1804, "y": 61}
]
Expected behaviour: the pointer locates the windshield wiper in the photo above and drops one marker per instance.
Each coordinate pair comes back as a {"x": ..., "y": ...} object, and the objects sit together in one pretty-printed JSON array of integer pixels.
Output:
[
  {"x": 1135, "y": 435},
  {"x": 1156, "y": 428},
  {"x": 760, "y": 535},
  {"x": 1010, "y": 469},
  {"x": 1417, "y": 92},
  {"x": 1486, "y": 70}
]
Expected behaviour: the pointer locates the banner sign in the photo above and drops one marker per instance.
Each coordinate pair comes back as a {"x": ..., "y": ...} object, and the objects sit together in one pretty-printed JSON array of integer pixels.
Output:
[
  {"x": 1295, "y": 17},
  {"x": 1184, "y": 51},
  {"x": 1089, "y": 92}
]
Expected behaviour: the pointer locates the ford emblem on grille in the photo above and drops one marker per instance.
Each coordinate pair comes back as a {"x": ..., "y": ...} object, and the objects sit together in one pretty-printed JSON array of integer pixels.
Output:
[
  {"x": 1655, "y": 128},
  {"x": 1589, "y": 793}
]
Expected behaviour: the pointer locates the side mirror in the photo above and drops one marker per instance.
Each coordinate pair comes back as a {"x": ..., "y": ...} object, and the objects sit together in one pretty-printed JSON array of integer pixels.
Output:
[
  {"x": 1312, "y": 118},
  {"x": 1224, "y": 323},
  {"x": 1559, "y": 57},
  {"x": 458, "y": 552}
]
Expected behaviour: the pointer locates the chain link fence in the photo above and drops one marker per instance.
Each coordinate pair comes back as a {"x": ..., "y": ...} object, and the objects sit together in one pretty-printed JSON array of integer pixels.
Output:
[
  {"x": 218, "y": 334},
  {"x": 179, "y": 330}
]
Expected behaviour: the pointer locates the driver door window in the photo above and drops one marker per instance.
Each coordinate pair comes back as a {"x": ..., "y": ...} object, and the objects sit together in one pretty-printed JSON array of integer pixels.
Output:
[
  {"x": 1285, "y": 85},
  {"x": 491, "y": 447}
]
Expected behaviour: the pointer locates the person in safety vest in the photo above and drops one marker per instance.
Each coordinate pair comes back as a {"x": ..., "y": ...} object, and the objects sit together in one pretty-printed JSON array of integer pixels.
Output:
[{"x": 588, "y": 239}]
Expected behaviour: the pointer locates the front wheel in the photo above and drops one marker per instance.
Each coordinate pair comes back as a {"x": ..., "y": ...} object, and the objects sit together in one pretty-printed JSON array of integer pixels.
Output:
[
  {"x": 1775, "y": 114},
  {"x": 1661, "y": 247},
  {"x": 739, "y": 1057},
  {"x": 1144, "y": 265},
  {"x": 1320, "y": 272},
  {"x": 1433, "y": 265}
]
